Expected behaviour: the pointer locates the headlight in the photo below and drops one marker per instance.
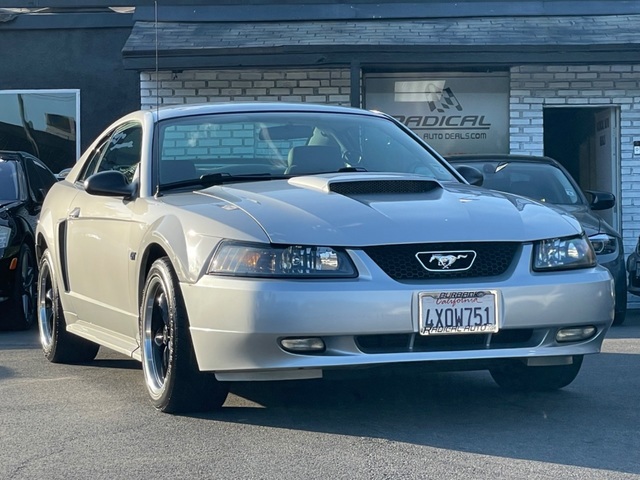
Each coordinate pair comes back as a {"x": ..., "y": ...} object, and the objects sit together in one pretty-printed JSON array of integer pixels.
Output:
[
  {"x": 603, "y": 243},
  {"x": 257, "y": 260},
  {"x": 563, "y": 254},
  {"x": 5, "y": 233}
]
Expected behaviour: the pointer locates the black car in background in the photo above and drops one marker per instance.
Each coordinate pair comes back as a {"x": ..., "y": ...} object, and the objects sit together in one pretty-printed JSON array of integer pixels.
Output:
[
  {"x": 24, "y": 182},
  {"x": 545, "y": 180},
  {"x": 633, "y": 269}
]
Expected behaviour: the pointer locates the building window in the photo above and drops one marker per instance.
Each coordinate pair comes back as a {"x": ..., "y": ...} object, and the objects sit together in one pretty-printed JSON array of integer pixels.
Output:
[{"x": 43, "y": 123}]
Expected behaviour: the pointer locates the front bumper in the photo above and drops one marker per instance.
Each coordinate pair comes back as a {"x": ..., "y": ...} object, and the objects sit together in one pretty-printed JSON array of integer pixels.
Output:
[
  {"x": 7, "y": 275},
  {"x": 236, "y": 324},
  {"x": 633, "y": 270},
  {"x": 615, "y": 263}
]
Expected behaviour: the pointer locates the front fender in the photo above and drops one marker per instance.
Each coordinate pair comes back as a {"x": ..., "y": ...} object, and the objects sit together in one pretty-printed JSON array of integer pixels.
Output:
[{"x": 189, "y": 252}]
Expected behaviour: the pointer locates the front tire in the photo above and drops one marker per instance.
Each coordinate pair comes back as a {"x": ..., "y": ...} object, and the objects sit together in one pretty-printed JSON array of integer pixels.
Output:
[
  {"x": 22, "y": 304},
  {"x": 621, "y": 307},
  {"x": 517, "y": 377},
  {"x": 58, "y": 345},
  {"x": 171, "y": 374}
]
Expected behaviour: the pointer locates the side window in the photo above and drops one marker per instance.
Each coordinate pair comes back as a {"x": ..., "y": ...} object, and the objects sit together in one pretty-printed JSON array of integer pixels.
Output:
[
  {"x": 46, "y": 176},
  {"x": 38, "y": 186},
  {"x": 121, "y": 152}
]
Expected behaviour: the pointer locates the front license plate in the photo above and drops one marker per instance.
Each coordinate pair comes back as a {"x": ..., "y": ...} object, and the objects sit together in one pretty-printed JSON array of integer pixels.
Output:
[{"x": 460, "y": 312}]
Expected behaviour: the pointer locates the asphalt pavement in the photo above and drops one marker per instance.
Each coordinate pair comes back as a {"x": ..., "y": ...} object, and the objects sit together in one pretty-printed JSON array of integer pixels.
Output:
[{"x": 94, "y": 421}]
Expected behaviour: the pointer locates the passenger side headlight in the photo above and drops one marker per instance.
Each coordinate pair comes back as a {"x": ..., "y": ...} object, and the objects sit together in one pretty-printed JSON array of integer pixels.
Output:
[
  {"x": 295, "y": 261},
  {"x": 603, "y": 244},
  {"x": 563, "y": 254},
  {"x": 5, "y": 234}
]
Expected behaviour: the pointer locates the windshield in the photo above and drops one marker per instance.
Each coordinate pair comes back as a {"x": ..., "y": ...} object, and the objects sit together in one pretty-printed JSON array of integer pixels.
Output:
[
  {"x": 539, "y": 181},
  {"x": 8, "y": 182},
  {"x": 281, "y": 144}
]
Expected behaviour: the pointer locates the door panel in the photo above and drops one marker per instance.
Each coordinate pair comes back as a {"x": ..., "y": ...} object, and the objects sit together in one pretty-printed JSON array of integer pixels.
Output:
[
  {"x": 98, "y": 249},
  {"x": 98, "y": 262}
]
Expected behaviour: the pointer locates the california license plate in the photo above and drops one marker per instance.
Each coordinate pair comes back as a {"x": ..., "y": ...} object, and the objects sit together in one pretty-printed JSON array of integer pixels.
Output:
[{"x": 459, "y": 312}]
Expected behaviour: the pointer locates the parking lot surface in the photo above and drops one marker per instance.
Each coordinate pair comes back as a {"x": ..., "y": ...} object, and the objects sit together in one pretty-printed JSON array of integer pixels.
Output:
[{"x": 94, "y": 421}]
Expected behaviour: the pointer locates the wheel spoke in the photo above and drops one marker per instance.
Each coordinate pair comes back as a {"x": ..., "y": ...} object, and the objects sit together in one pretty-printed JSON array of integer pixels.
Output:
[
  {"x": 165, "y": 360},
  {"x": 159, "y": 337}
]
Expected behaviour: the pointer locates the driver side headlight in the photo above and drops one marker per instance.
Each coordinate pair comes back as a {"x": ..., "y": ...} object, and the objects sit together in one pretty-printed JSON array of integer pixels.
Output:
[
  {"x": 563, "y": 254},
  {"x": 5, "y": 234},
  {"x": 604, "y": 244},
  {"x": 295, "y": 261}
]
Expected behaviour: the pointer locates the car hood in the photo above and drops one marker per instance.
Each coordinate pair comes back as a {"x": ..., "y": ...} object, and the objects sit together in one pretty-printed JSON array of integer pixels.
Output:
[
  {"x": 360, "y": 209},
  {"x": 591, "y": 222}
]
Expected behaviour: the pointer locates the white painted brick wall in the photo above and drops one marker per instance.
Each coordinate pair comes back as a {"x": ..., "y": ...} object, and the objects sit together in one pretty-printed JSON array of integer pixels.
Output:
[
  {"x": 196, "y": 86},
  {"x": 534, "y": 87}
]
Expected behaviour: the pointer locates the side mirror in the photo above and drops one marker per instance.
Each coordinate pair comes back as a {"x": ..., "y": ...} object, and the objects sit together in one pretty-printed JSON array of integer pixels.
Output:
[
  {"x": 471, "y": 175},
  {"x": 110, "y": 183},
  {"x": 62, "y": 174},
  {"x": 601, "y": 200}
]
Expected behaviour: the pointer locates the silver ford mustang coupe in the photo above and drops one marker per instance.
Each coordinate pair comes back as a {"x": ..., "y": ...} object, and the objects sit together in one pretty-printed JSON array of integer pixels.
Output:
[{"x": 235, "y": 242}]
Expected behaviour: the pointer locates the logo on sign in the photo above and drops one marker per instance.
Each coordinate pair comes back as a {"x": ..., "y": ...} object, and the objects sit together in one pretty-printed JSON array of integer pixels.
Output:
[
  {"x": 446, "y": 261},
  {"x": 447, "y": 101}
]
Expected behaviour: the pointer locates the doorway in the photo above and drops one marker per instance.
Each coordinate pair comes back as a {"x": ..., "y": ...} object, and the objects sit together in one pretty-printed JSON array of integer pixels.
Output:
[{"x": 585, "y": 140}]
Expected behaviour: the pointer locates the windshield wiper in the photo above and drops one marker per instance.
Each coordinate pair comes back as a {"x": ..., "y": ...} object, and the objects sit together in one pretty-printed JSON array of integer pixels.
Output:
[{"x": 211, "y": 179}]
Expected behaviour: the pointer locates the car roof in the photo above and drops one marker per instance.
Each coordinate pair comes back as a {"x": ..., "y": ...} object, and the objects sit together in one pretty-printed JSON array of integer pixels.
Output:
[{"x": 177, "y": 111}]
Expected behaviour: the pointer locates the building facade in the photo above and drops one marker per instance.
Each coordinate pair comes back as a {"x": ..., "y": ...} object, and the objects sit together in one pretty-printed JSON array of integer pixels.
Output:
[{"x": 559, "y": 78}]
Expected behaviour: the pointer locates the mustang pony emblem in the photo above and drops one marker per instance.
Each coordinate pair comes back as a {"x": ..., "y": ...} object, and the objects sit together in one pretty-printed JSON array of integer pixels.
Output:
[{"x": 445, "y": 261}]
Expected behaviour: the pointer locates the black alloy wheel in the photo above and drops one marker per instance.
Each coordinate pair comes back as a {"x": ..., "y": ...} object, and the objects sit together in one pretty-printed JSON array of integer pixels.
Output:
[
  {"x": 171, "y": 373},
  {"x": 58, "y": 345},
  {"x": 22, "y": 310}
]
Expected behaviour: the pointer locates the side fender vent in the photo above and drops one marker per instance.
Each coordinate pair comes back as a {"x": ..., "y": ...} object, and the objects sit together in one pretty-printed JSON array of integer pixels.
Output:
[{"x": 369, "y": 187}]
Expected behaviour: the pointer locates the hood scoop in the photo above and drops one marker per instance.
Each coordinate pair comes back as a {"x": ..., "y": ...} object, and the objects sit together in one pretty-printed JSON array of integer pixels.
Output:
[
  {"x": 367, "y": 184},
  {"x": 370, "y": 187}
]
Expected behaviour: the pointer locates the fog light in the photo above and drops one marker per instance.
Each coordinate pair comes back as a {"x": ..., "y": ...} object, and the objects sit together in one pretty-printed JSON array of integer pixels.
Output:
[
  {"x": 575, "y": 334},
  {"x": 297, "y": 345}
]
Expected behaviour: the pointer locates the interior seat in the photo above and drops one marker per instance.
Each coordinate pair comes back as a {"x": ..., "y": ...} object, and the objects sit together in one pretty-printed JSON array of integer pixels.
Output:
[{"x": 314, "y": 159}]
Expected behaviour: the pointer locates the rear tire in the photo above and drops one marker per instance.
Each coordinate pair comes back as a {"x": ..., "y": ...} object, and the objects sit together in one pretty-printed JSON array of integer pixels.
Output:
[
  {"x": 518, "y": 377},
  {"x": 22, "y": 304},
  {"x": 58, "y": 345},
  {"x": 171, "y": 373}
]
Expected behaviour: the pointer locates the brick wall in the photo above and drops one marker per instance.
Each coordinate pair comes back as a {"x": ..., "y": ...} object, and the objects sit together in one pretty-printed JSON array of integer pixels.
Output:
[
  {"x": 196, "y": 86},
  {"x": 534, "y": 87}
]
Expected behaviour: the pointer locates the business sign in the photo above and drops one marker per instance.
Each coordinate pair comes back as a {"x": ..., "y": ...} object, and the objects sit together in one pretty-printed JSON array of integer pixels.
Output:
[{"x": 455, "y": 113}]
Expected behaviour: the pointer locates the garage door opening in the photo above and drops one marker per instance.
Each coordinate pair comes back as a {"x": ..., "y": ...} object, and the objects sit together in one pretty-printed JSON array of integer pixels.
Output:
[{"x": 586, "y": 141}]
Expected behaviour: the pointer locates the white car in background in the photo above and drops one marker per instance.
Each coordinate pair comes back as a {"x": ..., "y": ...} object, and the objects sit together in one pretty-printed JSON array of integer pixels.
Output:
[{"x": 220, "y": 243}]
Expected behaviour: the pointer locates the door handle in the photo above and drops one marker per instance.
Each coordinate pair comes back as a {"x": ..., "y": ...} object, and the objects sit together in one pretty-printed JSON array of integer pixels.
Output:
[{"x": 75, "y": 213}]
